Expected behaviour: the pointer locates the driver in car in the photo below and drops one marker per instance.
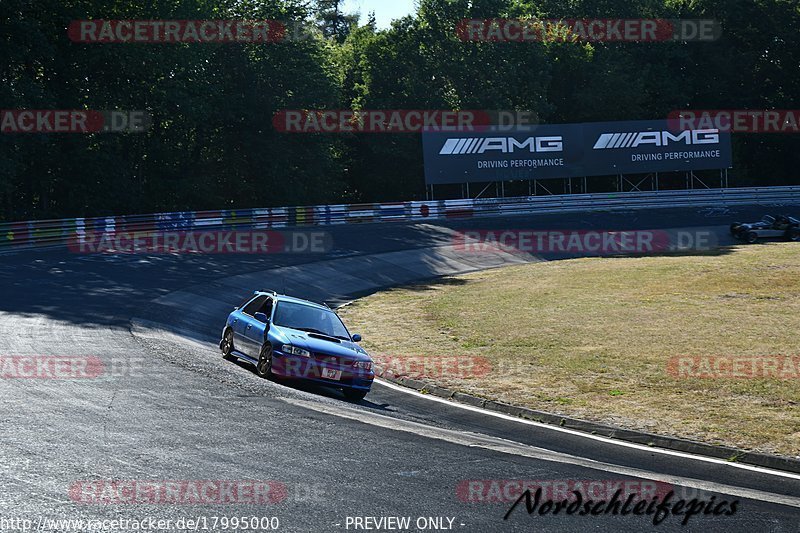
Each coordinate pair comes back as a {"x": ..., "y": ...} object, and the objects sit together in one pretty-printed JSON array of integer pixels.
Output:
[{"x": 781, "y": 222}]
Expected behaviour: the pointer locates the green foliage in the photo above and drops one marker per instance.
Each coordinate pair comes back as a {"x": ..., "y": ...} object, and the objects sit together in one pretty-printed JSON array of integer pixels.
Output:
[{"x": 333, "y": 22}]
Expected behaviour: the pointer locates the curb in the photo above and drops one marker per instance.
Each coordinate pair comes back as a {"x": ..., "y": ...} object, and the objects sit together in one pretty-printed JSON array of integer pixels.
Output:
[{"x": 725, "y": 453}]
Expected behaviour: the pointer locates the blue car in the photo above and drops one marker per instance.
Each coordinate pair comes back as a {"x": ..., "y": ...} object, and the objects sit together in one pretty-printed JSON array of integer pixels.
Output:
[{"x": 296, "y": 339}]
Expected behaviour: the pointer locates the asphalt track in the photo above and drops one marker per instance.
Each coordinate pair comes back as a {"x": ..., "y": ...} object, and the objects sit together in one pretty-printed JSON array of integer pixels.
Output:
[{"x": 169, "y": 408}]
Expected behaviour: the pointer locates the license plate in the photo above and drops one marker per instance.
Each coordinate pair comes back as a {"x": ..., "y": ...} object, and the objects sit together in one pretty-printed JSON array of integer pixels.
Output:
[{"x": 329, "y": 373}]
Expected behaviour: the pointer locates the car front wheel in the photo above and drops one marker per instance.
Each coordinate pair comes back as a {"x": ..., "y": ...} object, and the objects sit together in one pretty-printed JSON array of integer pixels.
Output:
[
  {"x": 264, "y": 366},
  {"x": 794, "y": 234},
  {"x": 751, "y": 237}
]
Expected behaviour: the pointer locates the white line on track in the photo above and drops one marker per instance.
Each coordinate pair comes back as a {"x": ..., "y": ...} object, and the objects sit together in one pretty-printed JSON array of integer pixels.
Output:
[
  {"x": 615, "y": 442},
  {"x": 476, "y": 440}
]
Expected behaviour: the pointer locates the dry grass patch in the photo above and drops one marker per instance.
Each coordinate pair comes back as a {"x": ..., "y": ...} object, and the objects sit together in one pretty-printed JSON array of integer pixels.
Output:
[{"x": 592, "y": 338}]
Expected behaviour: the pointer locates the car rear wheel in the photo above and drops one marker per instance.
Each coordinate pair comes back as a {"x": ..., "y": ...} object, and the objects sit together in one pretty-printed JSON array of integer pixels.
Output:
[
  {"x": 355, "y": 395},
  {"x": 794, "y": 234},
  {"x": 751, "y": 237},
  {"x": 264, "y": 366},
  {"x": 227, "y": 345}
]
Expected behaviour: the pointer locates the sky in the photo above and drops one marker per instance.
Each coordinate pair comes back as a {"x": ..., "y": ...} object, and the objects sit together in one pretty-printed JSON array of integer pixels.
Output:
[{"x": 385, "y": 10}]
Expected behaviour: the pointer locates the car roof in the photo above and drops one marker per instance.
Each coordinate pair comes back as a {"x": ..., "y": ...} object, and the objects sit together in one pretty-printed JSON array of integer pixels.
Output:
[{"x": 283, "y": 298}]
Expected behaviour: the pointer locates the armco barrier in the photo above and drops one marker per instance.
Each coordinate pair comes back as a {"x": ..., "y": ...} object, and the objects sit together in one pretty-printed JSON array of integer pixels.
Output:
[{"x": 59, "y": 232}]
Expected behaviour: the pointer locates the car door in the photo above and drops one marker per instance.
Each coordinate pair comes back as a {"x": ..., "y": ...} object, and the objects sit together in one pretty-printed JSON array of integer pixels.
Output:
[
  {"x": 244, "y": 339},
  {"x": 237, "y": 326},
  {"x": 255, "y": 334}
]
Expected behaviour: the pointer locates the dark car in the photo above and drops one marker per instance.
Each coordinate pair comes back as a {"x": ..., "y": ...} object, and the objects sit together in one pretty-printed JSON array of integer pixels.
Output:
[
  {"x": 769, "y": 227},
  {"x": 298, "y": 339}
]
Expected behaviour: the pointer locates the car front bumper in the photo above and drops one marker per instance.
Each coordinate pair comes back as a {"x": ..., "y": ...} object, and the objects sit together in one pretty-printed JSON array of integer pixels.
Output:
[{"x": 307, "y": 369}]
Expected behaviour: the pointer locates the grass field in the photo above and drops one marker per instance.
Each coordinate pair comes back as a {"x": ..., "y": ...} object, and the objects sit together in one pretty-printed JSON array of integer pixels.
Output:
[{"x": 593, "y": 339}]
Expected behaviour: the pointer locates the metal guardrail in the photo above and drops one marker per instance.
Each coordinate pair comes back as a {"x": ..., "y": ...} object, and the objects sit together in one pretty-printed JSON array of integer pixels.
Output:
[{"x": 43, "y": 233}]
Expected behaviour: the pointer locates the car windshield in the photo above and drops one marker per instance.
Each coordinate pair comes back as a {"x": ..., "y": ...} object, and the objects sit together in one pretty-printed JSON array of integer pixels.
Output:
[{"x": 310, "y": 319}]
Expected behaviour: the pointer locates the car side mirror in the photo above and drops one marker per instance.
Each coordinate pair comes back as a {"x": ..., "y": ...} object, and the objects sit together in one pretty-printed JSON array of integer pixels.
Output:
[
  {"x": 356, "y": 338},
  {"x": 261, "y": 317}
]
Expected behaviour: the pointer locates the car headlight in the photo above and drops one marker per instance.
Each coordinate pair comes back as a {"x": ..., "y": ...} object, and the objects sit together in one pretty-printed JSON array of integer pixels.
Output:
[
  {"x": 294, "y": 350},
  {"x": 363, "y": 365}
]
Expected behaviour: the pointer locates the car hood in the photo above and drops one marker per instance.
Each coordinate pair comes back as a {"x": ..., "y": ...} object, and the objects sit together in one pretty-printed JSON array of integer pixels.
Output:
[{"x": 315, "y": 344}]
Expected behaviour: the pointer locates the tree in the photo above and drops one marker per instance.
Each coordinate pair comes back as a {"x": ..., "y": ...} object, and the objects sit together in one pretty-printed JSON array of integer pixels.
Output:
[
  {"x": 212, "y": 144},
  {"x": 333, "y": 22}
]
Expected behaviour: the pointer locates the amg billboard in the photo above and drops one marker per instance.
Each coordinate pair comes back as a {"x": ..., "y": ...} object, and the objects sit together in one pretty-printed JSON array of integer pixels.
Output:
[{"x": 571, "y": 150}]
